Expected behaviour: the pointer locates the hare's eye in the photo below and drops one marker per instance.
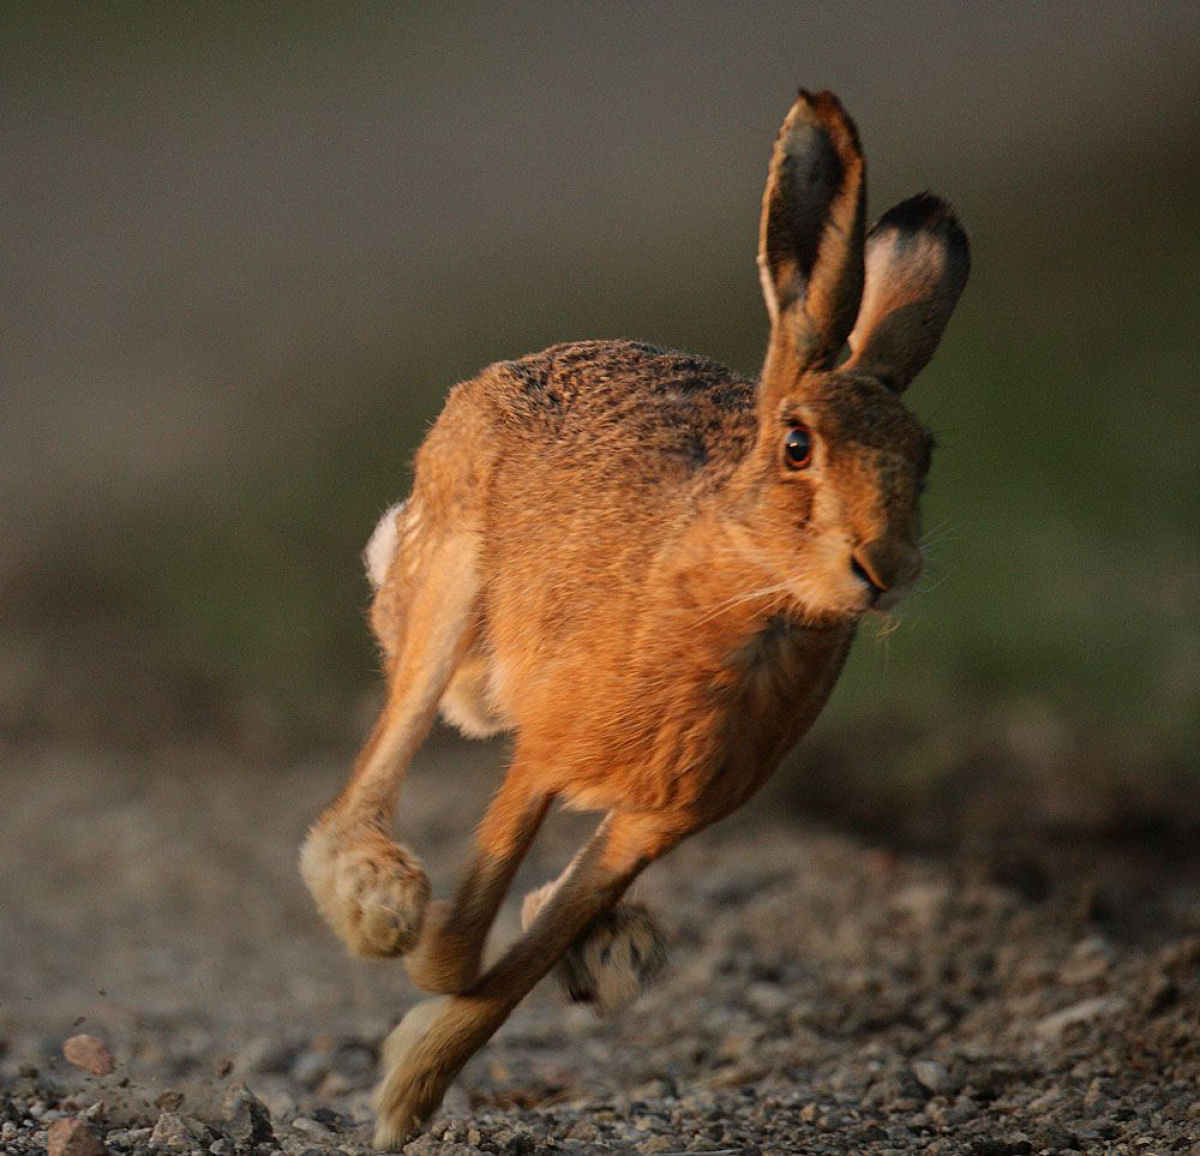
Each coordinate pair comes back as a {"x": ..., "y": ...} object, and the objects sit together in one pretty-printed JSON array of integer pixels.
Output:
[{"x": 797, "y": 448}]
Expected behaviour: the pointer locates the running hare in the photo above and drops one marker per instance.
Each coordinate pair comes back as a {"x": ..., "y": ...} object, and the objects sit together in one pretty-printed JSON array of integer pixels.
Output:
[{"x": 650, "y": 570}]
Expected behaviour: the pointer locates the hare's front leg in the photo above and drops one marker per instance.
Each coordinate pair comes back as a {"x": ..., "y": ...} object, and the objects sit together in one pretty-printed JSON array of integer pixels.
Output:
[
  {"x": 370, "y": 890},
  {"x": 436, "y": 1038},
  {"x": 450, "y": 951}
]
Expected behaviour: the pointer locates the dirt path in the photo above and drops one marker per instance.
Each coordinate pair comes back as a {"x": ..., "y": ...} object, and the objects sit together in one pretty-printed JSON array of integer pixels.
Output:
[{"x": 823, "y": 996}]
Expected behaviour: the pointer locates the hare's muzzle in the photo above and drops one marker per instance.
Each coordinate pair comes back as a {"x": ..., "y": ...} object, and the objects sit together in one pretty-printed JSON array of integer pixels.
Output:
[{"x": 887, "y": 568}]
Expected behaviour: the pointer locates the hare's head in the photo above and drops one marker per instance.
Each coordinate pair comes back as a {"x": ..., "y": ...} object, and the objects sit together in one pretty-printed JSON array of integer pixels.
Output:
[{"x": 833, "y": 480}]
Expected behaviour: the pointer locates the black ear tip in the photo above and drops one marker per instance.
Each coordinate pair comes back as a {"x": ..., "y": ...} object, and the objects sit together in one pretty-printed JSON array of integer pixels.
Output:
[
  {"x": 821, "y": 99},
  {"x": 823, "y": 110},
  {"x": 929, "y": 213},
  {"x": 924, "y": 211}
]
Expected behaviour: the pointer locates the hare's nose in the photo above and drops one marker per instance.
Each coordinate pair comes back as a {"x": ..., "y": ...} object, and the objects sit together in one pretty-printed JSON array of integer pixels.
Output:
[
  {"x": 885, "y": 566},
  {"x": 864, "y": 575}
]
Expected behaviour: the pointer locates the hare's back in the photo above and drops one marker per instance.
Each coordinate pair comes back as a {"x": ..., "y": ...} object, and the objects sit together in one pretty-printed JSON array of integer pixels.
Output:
[{"x": 626, "y": 410}]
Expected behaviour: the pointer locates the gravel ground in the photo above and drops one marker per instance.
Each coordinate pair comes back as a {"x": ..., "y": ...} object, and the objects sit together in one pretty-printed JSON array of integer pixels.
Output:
[{"x": 824, "y": 995}]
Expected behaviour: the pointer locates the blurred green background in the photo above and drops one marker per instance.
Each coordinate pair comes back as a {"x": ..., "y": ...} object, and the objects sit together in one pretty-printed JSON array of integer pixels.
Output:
[{"x": 248, "y": 248}]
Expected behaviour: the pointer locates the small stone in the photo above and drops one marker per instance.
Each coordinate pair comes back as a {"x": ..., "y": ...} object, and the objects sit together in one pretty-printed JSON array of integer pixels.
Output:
[
  {"x": 768, "y": 999},
  {"x": 73, "y": 1137},
  {"x": 169, "y": 1101},
  {"x": 246, "y": 1117},
  {"x": 581, "y": 1129},
  {"x": 90, "y": 1054},
  {"x": 316, "y": 1130},
  {"x": 128, "y": 1137},
  {"x": 1090, "y": 961},
  {"x": 222, "y": 1147},
  {"x": 280, "y": 1104},
  {"x": 425, "y": 1145},
  {"x": 176, "y": 1133},
  {"x": 1055, "y": 1138},
  {"x": 1084, "y": 1011},
  {"x": 931, "y": 1076}
]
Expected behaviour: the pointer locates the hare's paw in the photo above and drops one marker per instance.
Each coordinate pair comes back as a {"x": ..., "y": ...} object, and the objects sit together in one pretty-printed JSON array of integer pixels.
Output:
[
  {"x": 371, "y": 892},
  {"x": 617, "y": 958},
  {"x": 413, "y": 1083}
]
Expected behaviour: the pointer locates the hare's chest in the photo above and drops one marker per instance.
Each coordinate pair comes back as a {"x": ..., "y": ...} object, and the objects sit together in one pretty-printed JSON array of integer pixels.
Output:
[{"x": 770, "y": 691}]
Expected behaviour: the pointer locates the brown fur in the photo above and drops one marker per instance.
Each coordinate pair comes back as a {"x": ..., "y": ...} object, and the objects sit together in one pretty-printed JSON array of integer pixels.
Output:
[{"x": 606, "y": 552}]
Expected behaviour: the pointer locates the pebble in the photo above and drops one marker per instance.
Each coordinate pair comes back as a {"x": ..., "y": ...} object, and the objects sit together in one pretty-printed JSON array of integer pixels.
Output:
[
  {"x": 1090, "y": 961},
  {"x": 89, "y": 1053},
  {"x": 73, "y": 1137},
  {"x": 426, "y": 1145},
  {"x": 169, "y": 1101},
  {"x": 176, "y": 1133},
  {"x": 246, "y": 1117},
  {"x": 932, "y": 1076},
  {"x": 315, "y": 1130},
  {"x": 129, "y": 1137},
  {"x": 1077, "y": 1013},
  {"x": 768, "y": 999}
]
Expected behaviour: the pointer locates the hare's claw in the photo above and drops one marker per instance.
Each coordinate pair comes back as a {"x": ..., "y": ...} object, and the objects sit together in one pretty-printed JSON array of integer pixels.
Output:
[{"x": 371, "y": 891}]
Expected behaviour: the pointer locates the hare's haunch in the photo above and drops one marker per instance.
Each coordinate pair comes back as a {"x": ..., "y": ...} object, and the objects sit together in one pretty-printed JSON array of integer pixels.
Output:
[{"x": 650, "y": 570}]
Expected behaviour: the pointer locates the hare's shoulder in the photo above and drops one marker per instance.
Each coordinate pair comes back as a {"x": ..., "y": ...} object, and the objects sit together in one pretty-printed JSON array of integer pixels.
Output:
[{"x": 630, "y": 398}]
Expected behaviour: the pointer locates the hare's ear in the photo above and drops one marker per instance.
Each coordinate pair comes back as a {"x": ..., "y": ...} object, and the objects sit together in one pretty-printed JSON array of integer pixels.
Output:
[
  {"x": 917, "y": 264},
  {"x": 810, "y": 241}
]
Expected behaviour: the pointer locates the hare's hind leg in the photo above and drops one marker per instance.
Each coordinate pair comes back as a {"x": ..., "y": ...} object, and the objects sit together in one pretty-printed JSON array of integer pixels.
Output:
[
  {"x": 614, "y": 960},
  {"x": 370, "y": 890},
  {"x": 429, "y": 1047}
]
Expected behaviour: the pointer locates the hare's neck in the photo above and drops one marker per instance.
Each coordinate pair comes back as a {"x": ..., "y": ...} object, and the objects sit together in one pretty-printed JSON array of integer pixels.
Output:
[{"x": 762, "y": 671}]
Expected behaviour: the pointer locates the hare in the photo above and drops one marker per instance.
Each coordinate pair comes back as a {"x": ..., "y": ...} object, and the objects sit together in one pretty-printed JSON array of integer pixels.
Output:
[{"x": 650, "y": 570}]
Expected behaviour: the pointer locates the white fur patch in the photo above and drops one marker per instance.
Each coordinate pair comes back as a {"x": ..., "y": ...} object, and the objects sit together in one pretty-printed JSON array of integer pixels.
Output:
[{"x": 381, "y": 549}]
